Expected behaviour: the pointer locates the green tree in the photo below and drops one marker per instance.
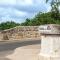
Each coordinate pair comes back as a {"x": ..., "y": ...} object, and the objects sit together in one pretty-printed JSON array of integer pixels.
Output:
[
  {"x": 27, "y": 22},
  {"x": 40, "y": 18},
  {"x": 55, "y": 9},
  {"x": 8, "y": 25}
]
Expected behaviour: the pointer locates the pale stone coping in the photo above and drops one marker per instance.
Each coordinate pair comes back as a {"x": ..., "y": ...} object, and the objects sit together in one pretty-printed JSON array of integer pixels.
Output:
[{"x": 49, "y": 29}]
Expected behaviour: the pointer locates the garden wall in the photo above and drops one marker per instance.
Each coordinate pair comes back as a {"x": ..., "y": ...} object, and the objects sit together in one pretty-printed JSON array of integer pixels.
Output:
[{"x": 20, "y": 32}]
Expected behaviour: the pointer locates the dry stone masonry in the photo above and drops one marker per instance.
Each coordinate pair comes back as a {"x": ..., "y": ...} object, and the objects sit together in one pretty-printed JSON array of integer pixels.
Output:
[{"x": 20, "y": 32}]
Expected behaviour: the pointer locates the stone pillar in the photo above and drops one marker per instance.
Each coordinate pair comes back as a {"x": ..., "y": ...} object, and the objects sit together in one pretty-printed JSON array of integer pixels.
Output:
[{"x": 50, "y": 42}]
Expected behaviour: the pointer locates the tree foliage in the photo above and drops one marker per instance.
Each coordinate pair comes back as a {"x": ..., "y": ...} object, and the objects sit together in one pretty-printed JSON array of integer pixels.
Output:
[
  {"x": 41, "y": 18},
  {"x": 55, "y": 9},
  {"x": 8, "y": 25}
]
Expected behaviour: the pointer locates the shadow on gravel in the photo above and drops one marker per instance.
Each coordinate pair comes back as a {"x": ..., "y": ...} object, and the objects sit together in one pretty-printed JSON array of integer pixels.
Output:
[{"x": 12, "y": 46}]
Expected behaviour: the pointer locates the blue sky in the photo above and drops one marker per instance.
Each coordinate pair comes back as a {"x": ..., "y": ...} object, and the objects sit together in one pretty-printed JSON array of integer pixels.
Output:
[{"x": 19, "y": 10}]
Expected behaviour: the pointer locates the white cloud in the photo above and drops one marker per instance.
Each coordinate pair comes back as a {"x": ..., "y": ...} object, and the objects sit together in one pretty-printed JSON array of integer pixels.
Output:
[
  {"x": 24, "y": 2},
  {"x": 12, "y": 14},
  {"x": 49, "y": 8},
  {"x": 59, "y": 8},
  {"x": 19, "y": 13},
  {"x": 19, "y": 10},
  {"x": 7, "y": 2}
]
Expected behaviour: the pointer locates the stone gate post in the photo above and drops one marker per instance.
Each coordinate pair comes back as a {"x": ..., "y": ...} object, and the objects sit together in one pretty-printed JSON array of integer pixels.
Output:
[{"x": 50, "y": 42}]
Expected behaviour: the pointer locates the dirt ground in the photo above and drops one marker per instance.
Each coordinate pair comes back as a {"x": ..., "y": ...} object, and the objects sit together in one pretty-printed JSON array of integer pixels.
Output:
[{"x": 30, "y": 52}]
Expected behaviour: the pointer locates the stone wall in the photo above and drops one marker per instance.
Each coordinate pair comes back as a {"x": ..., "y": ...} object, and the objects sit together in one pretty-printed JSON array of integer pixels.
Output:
[{"x": 20, "y": 32}]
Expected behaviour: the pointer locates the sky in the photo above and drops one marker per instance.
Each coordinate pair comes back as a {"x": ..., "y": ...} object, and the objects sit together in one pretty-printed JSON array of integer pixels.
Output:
[{"x": 19, "y": 10}]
